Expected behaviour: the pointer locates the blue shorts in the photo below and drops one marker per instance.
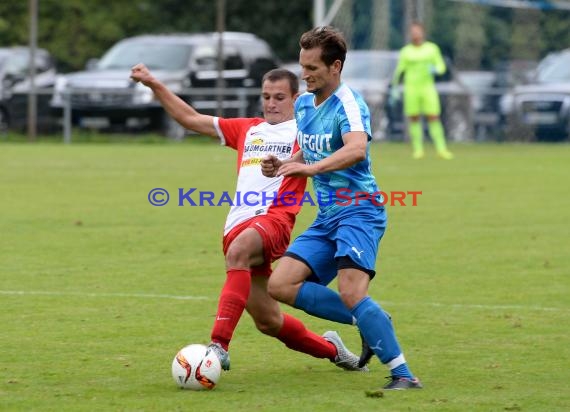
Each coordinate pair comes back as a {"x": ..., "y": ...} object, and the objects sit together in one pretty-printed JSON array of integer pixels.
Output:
[{"x": 355, "y": 233}]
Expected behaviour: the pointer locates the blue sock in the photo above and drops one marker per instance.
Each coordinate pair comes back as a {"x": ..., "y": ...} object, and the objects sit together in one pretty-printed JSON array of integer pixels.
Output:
[
  {"x": 401, "y": 371},
  {"x": 378, "y": 331},
  {"x": 322, "y": 302}
]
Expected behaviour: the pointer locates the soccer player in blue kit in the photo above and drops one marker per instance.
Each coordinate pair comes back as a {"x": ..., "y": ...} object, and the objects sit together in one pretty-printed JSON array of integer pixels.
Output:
[{"x": 333, "y": 132}]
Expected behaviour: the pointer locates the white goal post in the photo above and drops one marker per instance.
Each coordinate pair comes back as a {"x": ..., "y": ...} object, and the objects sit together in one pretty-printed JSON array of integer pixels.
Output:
[{"x": 321, "y": 17}]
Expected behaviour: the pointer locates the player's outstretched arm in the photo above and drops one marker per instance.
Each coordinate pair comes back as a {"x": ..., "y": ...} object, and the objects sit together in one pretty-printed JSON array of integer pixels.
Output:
[{"x": 177, "y": 108}]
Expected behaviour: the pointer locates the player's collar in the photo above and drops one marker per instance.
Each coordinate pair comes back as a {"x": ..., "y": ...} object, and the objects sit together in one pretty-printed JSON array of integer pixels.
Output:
[{"x": 332, "y": 94}]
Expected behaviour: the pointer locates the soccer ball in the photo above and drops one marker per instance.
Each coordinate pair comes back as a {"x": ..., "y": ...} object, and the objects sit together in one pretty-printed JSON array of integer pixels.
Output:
[{"x": 195, "y": 367}]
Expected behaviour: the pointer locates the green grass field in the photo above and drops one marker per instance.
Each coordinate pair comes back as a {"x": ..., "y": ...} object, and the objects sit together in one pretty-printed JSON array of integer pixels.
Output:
[{"x": 99, "y": 289}]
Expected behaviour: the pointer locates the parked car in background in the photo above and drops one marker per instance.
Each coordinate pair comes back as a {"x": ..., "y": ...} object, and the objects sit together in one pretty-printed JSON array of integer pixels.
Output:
[
  {"x": 15, "y": 86},
  {"x": 485, "y": 93},
  {"x": 370, "y": 72},
  {"x": 103, "y": 97},
  {"x": 540, "y": 109},
  {"x": 480, "y": 84}
]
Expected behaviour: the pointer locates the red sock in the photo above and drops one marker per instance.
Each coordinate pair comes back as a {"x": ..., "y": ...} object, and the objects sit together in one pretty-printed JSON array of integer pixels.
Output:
[
  {"x": 233, "y": 299},
  {"x": 297, "y": 337}
]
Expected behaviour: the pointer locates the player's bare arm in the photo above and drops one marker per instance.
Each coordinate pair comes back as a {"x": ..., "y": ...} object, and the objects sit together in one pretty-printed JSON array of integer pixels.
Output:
[
  {"x": 270, "y": 165},
  {"x": 177, "y": 108},
  {"x": 353, "y": 151}
]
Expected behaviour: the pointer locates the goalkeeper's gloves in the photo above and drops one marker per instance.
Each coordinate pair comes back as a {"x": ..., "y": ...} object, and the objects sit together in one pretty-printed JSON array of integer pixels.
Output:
[
  {"x": 432, "y": 70},
  {"x": 395, "y": 95}
]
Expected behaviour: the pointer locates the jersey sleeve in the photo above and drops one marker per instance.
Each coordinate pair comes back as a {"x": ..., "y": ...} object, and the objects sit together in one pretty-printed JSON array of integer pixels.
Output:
[
  {"x": 355, "y": 117},
  {"x": 438, "y": 61},
  {"x": 232, "y": 132}
]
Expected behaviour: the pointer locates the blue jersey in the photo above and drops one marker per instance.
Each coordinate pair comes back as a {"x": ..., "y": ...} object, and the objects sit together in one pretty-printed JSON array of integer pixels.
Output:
[{"x": 319, "y": 134}]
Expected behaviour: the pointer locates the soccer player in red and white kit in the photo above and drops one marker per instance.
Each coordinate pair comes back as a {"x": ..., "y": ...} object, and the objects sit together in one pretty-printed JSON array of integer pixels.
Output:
[{"x": 255, "y": 236}]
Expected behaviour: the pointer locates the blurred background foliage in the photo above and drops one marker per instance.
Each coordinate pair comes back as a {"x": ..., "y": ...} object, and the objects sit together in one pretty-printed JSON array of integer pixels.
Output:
[{"x": 474, "y": 36}]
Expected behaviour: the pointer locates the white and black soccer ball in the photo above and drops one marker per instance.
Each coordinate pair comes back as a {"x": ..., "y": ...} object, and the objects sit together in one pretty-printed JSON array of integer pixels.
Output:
[{"x": 195, "y": 367}]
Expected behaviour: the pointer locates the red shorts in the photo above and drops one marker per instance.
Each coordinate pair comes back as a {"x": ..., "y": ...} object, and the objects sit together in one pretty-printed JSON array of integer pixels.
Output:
[{"x": 275, "y": 232}]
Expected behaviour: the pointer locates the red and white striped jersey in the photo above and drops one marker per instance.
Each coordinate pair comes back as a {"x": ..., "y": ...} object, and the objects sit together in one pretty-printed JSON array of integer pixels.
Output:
[{"x": 254, "y": 138}]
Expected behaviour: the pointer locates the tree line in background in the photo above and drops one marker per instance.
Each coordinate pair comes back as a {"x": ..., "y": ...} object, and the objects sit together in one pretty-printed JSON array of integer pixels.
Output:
[
  {"x": 77, "y": 30},
  {"x": 473, "y": 36},
  {"x": 478, "y": 36}
]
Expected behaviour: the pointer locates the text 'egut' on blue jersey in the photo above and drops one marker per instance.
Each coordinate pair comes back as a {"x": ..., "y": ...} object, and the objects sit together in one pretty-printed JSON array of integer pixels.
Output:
[{"x": 319, "y": 135}]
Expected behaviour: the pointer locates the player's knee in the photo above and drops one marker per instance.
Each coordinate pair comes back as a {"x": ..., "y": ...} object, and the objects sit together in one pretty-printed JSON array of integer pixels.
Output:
[
  {"x": 275, "y": 289},
  {"x": 350, "y": 297},
  {"x": 268, "y": 325},
  {"x": 280, "y": 291},
  {"x": 237, "y": 256}
]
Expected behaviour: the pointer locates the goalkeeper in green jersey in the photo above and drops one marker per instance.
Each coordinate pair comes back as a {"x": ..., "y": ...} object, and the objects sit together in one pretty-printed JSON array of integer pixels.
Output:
[{"x": 419, "y": 62}]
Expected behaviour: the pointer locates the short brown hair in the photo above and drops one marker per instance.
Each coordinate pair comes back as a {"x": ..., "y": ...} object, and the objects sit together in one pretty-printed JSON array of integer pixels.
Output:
[
  {"x": 417, "y": 23},
  {"x": 329, "y": 39},
  {"x": 279, "y": 74}
]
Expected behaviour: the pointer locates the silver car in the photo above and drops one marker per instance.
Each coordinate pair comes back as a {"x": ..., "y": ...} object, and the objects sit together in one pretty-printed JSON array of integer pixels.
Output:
[{"x": 540, "y": 110}]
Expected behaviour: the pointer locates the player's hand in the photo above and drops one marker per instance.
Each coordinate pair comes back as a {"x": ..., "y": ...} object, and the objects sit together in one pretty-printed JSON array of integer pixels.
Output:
[
  {"x": 295, "y": 169},
  {"x": 270, "y": 165},
  {"x": 395, "y": 95},
  {"x": 141, "y": 73},
  {"x": 432, "y": 70}
]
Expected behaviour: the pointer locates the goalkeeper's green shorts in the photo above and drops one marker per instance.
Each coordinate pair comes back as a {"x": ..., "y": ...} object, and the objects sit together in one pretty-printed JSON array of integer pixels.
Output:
[{"x": 421, "y": 101}]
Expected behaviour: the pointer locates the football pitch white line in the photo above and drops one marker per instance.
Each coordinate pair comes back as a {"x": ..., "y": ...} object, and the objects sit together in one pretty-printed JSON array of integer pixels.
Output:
[
  {"x": 497, "y": 307},
  {"x": 190, "y": 297},
  {"x": 101, "y": 295}
]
